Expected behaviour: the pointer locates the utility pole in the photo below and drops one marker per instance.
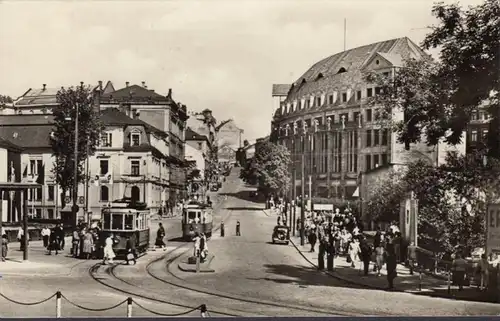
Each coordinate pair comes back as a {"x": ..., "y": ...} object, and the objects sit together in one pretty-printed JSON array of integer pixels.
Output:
[
  {"x": 294, "y": 197},
  {"x": 75, "y": 173},
  {"x": 302, "y": 207},
  {"x": 310, "y": 191}
]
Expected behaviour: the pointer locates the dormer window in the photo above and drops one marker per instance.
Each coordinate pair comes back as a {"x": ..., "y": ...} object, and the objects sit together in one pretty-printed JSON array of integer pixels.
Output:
[
  {"x": 341, "y": 70},
  {"x": 320, "y": 75},
  {"x": 318, "y": 101},
  {"x": 107, "y": 140},
  {"x": 344, "y": 97},
  {"x": 135, "y": 139}
]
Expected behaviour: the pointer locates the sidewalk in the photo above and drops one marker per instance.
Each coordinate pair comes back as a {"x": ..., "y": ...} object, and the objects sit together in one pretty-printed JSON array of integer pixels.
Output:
[
  {"x": 405, "y": 282},
  {"x": 39, "y": 263}
]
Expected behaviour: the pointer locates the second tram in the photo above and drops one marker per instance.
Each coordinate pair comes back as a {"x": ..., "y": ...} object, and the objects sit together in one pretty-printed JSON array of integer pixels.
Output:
[{"x": 196, "y": 218}]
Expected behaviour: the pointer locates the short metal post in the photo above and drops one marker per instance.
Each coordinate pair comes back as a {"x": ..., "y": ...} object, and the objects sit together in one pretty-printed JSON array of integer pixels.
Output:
[
  {"x": 58, "y": 304},
  {"x": 197, "y": 261},
  {"x": 420, "y": 279},
  {"x": 129, "y": 307},
  {"x": 222, "y": 229},
  {"x": 203, "y": 310},
  {"x": 449, "y": 282}
]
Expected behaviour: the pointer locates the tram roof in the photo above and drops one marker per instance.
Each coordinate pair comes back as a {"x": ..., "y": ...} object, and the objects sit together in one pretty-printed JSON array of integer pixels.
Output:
[{"x": 195, "y": 204}]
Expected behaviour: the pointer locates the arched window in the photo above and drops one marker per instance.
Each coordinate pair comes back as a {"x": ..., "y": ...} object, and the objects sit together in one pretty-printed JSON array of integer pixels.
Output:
[
  {"x": 341, "y": 70},
  {"x": 135, "y": 194},
  {"x": 104, "y": 194}
]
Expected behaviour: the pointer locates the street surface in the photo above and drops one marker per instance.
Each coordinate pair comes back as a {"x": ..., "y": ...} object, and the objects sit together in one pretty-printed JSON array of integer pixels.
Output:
[{"x": 263, "y": 279}]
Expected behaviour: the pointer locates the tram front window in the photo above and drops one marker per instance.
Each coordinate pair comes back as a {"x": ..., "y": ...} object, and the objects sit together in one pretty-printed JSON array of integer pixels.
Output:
[
  {"x": 107, "y": 221},
  {"x": 117, "y": 222},
  {"x": 129, "y": 222},
  {"x": 192, "y": 217}
]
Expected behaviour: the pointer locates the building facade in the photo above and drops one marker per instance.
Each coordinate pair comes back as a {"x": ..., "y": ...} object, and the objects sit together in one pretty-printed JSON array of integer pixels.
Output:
[
  {"x": 228, "y": 134},
  {"x": 326, "y": 120}
]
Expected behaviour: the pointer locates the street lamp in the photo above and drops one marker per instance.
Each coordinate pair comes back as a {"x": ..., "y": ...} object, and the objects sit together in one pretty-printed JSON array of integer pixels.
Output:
[{"x": 74, "y": 208}]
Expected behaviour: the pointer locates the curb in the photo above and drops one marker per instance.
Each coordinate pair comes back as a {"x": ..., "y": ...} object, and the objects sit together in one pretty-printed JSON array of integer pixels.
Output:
[{"x": 186, "y": 267}]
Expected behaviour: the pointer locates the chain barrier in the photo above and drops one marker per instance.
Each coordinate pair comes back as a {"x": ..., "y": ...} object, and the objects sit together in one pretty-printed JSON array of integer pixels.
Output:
[
  {"x": 129, "y": 301},
  {"x": 27, "y": 303},
  {"x": 91, "y": 309},
  {"x": 167, "y": 315}
]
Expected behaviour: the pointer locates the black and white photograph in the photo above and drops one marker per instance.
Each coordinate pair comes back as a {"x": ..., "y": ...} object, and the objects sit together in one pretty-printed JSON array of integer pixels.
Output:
[{"x": 249, "y": 158}]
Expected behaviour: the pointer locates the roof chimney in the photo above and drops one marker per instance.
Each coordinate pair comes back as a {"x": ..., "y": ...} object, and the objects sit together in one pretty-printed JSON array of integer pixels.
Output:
[
  {"x": 144, "y": 84},
  {"x": 100, "y": 84},
  {"x": 126, "y": 84},
  {"x": 81, "y": 83},
  {"x": 44, "y": 86},
  {"x": 170, "y": 91}
]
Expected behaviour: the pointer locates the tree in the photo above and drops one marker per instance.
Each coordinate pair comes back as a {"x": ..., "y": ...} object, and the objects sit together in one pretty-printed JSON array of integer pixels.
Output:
[
  {"x": 63, "y": 136},
  {"x": 441, "y": 96},
  {"x": 268, "y": 169}
]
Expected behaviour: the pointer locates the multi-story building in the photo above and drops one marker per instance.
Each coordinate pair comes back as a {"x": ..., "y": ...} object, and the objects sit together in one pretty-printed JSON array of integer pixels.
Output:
[
  {"x": 477, "y": 130},
  {"x": 228, "y": 134},
  {"x": 197, "y": 152},
  {"x": 163, "y": 113},
  {"x": 326, "y": 118}
]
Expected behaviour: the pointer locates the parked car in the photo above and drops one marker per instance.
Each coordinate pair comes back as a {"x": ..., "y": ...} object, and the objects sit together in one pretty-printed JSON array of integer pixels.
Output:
[{"x": 281, "y": 234}]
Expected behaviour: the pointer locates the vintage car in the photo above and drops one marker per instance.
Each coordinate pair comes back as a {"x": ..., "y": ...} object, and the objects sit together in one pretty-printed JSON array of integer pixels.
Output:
[{"x": 281, "y": 234}]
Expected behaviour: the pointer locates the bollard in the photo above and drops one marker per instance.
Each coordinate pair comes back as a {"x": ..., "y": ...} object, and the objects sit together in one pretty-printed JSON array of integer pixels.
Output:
[
  {"x": 449, "y": 282},
  {"x": 129, "y": 307},
  {"x": 238, "y": 228},
  {"x": 420, "y": 279},
  {"x": 197, "y": 261},
  {"x": 58, "y": 304},
  {"x": 203, "y": 310},
  {"x": 222, "y": 229}
]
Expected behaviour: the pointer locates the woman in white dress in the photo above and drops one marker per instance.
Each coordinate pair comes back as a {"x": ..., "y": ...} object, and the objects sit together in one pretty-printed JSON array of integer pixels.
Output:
[
  {"x": 354, "y": 251},
  {"x": 109, "y": 254}
]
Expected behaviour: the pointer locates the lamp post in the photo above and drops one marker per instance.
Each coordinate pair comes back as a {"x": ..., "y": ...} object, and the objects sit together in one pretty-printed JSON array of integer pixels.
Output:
[{"x": 74, "y": 208}]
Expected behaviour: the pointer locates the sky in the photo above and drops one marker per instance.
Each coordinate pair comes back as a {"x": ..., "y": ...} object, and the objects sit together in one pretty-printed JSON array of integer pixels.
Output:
[{"x": 218, "y": 54}]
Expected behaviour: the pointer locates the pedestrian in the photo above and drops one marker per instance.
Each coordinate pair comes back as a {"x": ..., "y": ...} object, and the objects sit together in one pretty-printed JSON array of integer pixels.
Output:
[
  {"x": 75, "y": 242},
  {"x": 390, "y": 259},
  {"x": 379, "y": 258},
  {"x": 59, "y": 230},
  {"x": 20, "y": 238},
  {"x": 330, "y": 254},
  {"x": 366, "y": 254},
  {"x": 354, "y": 252},
  {"x": 160, "y": 235},
  {"x": 88, "y": 244},
  {"x": 397, "y": 246},
  {"x": 312, "y": 237},
  {"x": 278, "y": 221},
  {"x": 5, "y": 247},
  {"x": 109, "y": 254},
  {"x": 238, "y": 228},
  {"x": 45, "y": 236},
  {"x": 459, "y": 266},
  {"x": 131, "y": 251},
  {"x": 484, "y": 267},
  {"x": 53, "y": 243},
  {"x": 411, "y": 256}
]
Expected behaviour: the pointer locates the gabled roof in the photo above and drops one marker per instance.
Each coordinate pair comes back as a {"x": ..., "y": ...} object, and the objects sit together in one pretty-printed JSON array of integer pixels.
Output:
[
  {"x": 395, "y": 59},
  {"x": 40, "y": 96},
  {"x": 108, "y": 88},
  {"x": 192, "y": 135},
  {"x": 135, "y": 93},
  {"x": 281, "y": 89},
  {"x": 114, "y": 117}
]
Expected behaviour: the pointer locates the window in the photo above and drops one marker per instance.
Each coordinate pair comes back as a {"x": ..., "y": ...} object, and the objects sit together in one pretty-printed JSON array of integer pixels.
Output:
[
  {"x": 107, "y": 221},
  {"x": 104, "y": 165},
  {"x": 356, "y": 140},
  {"x": 481, "y": 115},
  {"x": 377, "y": 114},
  {"x": 344, "y": 97},
  {"x": 346, "y": 117},
  {"x": 376, "y": 137},
  {"x": 107, "y": 139},
  {"x": 300, "y": 104},
  {"x": 129, "y": 221},
  {"x": 369, "y": 92},
  {"x": 307, "y": 103},
  {"x": 38, "y": 194},
  {"x": 358, "y": 95},
  {"x": 318, "y": 101},
  {"x": 368, "y": 138},
  {"x": 50, "y": 213},
  {"x": 355, "y": 163},
  {"x": 356, "y": 116},
  {"x": 135, "y": 168},
  {"x": 386, "y": 74},
  {"x": 378, "y": 90},
  {"x": 473, "y": 136},
  {"x": 135, "y": 139},
  {"x": 384, "y": 159},
  {"x": 50, "y": 193},
  {"x": 375, "y": 161},
  {"x": 104, "y": 194},
  {"x": 38, "y": 212},
  {"x": 473, "y": 116},
  {"x": 368, "y": 115},
  {"x": 485, "y": 134},
  {"x": 200, "y": 146},
  {"x": 330, "y": 99},
  {"x": 368, "y": 162},
  {"x": 35, "y": 166},
  {"x": 385, "y": 136},
  {"x": 117, "y": 221}
]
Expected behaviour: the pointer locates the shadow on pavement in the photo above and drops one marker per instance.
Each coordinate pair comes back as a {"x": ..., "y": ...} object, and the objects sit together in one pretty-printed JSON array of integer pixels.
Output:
[
  {"x": 467, "y": 294},
  {"x": 302, "y": 276},
  {"x": 246, "y": 196},
  {"x": 245, "y": 208}
]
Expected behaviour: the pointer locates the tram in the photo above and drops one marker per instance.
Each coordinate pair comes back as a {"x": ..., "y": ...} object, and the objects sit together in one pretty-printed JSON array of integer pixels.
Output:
[
  {"x": 124, "y": 219},
  {"x": 196, "y": 218}
]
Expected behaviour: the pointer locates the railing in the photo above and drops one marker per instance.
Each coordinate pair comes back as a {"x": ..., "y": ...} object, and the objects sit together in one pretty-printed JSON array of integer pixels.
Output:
[{"x": 129, "y": 302}]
